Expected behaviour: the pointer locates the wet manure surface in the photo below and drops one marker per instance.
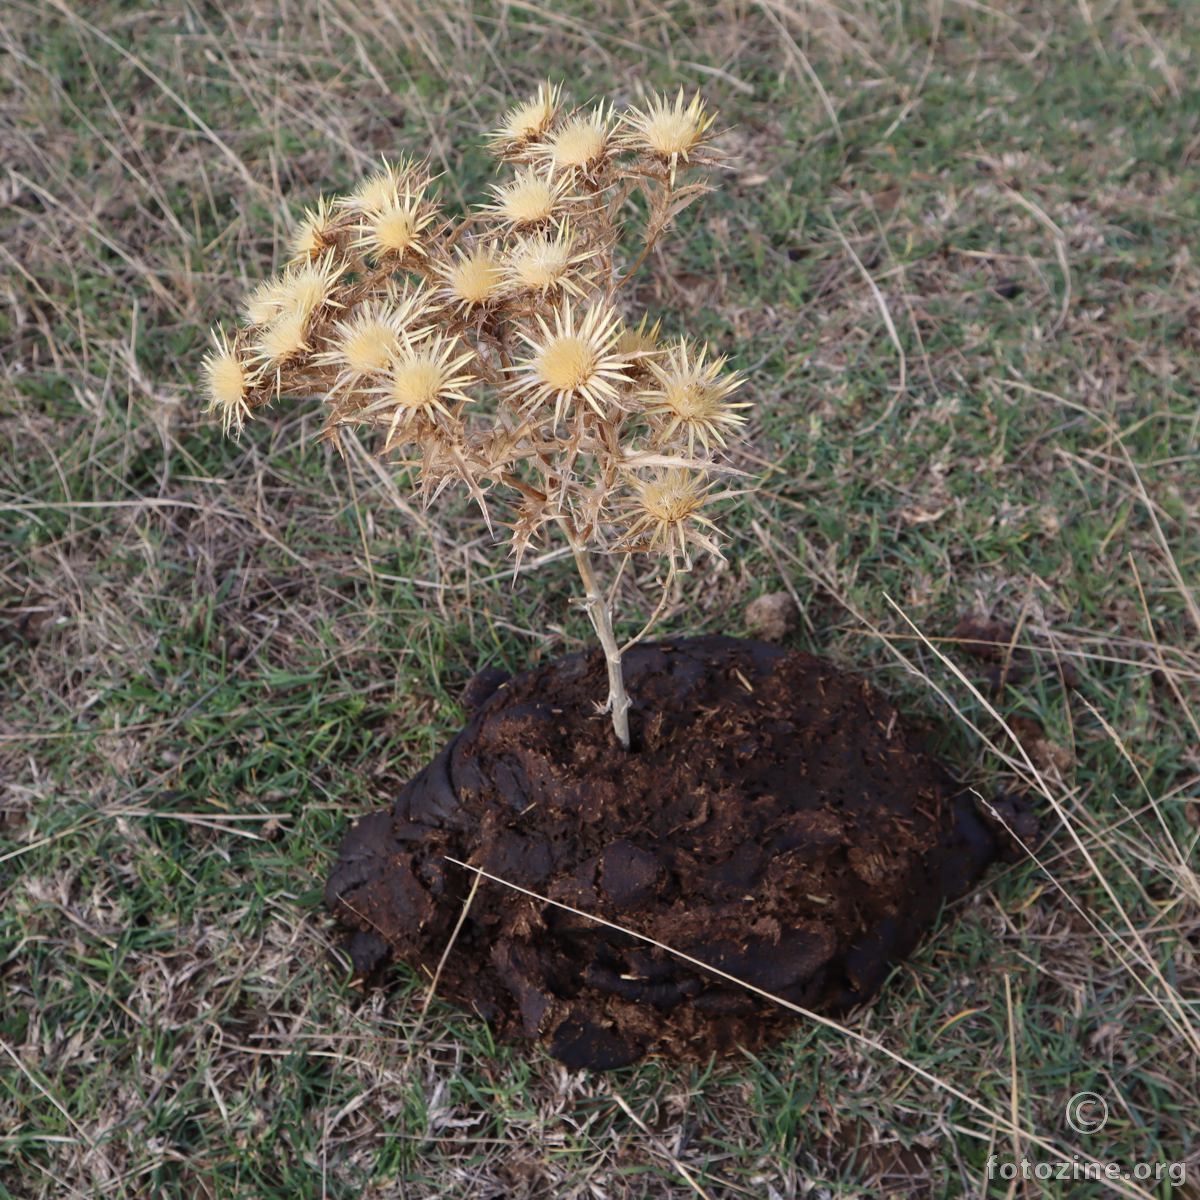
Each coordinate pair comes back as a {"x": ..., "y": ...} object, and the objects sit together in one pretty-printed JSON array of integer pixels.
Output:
[{"x": 776, "y": 820}]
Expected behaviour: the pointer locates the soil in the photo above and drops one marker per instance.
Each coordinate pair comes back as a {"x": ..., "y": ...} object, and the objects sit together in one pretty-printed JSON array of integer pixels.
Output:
[{"x": 776, "y": 819}]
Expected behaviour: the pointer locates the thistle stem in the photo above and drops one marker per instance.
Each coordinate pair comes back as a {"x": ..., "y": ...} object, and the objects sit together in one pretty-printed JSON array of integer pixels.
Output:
[
  {"x": 598, "y": 609},
  {"x": 641, "y": 258},
  {"x": 651, "y": 237}
]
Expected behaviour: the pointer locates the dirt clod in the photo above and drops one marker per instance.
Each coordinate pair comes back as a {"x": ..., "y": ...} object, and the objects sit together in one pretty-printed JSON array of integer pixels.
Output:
[
  {"x": 771, "y": 616},
  {"x": 776, "y": 821}
]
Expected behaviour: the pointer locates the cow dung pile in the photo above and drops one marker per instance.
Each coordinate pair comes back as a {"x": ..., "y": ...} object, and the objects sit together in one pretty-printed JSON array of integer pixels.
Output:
[{"x": 775, "y": 820}]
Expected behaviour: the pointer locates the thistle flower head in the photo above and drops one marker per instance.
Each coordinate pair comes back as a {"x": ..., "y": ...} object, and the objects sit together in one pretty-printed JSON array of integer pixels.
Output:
[
  {"x": 690, "y": 395},
  {"x": 228, "y": 383},
  {"x": 418, "y": 383},
  {"x": 528, "y": 121},
  {"x": 310, "y": 286},
  {"x": 367, "y": 342},
  {"x": 640, "y": 339},
  {"x": 317, "y": 233},
  {"x": 472, "y": 278},
  {"x": 300, "y": 291},
  {"x": 666, "y": 515},
  {"x": 575, "y": 361},
  {"x": 265, "y": 302},
  {"x": 282, "y": 340},
  {"x": 531, "y": 198},
  {"x": 423, "y": 379},
  {"x": 548, "y": 262},
  {"x": 384, "y": 188},
  {"x": 395, "y": 230},
  {"x": 580, "y": 144},
  {"x": 668, "y": 131}
]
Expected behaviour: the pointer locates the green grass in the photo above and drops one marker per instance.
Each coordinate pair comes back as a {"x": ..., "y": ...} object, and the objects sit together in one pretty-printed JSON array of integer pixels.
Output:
[{"x": 214, "y": 655}]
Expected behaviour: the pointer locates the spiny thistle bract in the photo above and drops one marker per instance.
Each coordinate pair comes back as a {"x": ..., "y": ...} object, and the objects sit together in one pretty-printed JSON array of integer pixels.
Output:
[{"x": 498, "y": 344}]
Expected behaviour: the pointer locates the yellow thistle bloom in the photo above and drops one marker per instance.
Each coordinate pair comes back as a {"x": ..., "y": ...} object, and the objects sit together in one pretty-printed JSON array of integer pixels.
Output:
[
  {"x": 546, "y": 262},
  {"x": 310, "y": 286},
  {"x": 228, "y": 383},
  {"x": 573, "y": 362},
  {"x": 531, "y": 198},
  {"x": 367, "y": 343},
  {"x": 690, "y": 394},
  {"x": 316, "y": 234},
  {"x": 641, "y": 339},
  {"x": 423, "y": 378},
  {"x": 582, "y": 143},
  {"x": 370, "y": 340},
  {"x": 265, "y": 302},
  {"x": 474, "y": 277},
  {"x": 396, "y": 229},
  {"x": 527, "y": 122},
  {"x": 666, "y": 515},
  {"x": 282, "y": 340},
  {"x": 386, "y": 187},
  {"x": 301, "y": 290},
  {"x": 668, "y": 131}
]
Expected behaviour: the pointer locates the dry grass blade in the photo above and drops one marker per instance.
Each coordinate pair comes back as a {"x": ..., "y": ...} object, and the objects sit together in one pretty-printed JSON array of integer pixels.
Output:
[
  {"x": 155, "y": 78},
  {"x": 683, "y": 1172},
  {"x": 881, "y": 303},
  {"x": 1165, "y": 997}
]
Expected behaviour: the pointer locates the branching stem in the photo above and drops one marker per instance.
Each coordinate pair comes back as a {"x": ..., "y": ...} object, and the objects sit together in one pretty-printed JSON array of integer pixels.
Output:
[{"x": 598, "y": 609}]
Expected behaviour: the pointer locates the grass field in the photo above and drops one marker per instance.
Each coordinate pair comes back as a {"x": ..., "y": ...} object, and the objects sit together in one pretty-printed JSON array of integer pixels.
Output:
[{"x": 956, "y": 255}]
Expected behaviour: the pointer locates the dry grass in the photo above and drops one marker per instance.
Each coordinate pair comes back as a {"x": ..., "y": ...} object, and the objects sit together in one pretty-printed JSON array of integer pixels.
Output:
[{"x": 954, "y": 253}]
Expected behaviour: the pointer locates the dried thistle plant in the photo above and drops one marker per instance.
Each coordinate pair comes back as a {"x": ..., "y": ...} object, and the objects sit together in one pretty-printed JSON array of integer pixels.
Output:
[{"x": 495, "y": 348}]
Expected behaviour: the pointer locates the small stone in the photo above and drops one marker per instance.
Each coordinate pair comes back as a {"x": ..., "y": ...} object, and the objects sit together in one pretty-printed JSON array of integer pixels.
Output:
[{"x": 771, "y": 617}]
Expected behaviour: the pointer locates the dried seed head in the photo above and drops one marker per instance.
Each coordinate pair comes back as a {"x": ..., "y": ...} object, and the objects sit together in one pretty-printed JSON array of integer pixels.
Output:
[
  {"x": 386, "y": 187},
  {"x": 423, "y": 380},
  {"x": 576, "y": 361},
  {"x": 317, "y": 233},
  {"x": 690, "y": 396},
  {"x": 301, "y": 290},
  {"x": 367, "y": 343},
  {"x": 474, "y": 277},
  {"x": 673, "y": 495},
  {"x": 640, "y": 339},
  {"x": 668, "y": 131},
  {"x": 548, "y": 262},
  {"x": 526, "y": 122},
  {"x": 581, "y": 144},
  {"x": 418, "y": 382},
  {"x": 228, "y": 383},
  {"x": 395, "y": 231},
  {"x": 282, "y": 340},
  {"x": 667, "y": 518},
  {"x": 310, "y": 286},
  {"x": 532, "y": 198},
  {"x": 264, "y": 303},
  {"x": 566, "y": 363}
]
